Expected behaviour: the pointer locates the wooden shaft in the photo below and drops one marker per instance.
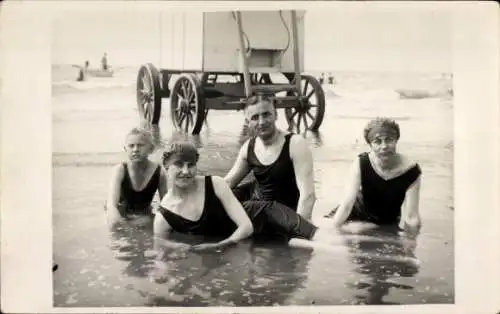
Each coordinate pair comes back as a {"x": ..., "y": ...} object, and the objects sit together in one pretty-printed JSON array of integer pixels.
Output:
[
  {"x": 246, "y": 74},
  {"x": 296, "y": 56}
]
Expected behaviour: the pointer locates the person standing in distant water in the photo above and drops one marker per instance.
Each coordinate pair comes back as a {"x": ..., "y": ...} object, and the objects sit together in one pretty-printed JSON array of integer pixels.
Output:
[
  {"x": 104, "y": 62},
  {"x": 383, "y": 186},
  {"x": 282, "y": 163},
  {"x": 82, "y": 72},
  {"x": 135, "y": 181}
]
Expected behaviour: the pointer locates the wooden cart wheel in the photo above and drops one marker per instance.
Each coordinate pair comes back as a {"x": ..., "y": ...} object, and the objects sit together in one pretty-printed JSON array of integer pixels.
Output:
[
  {"x": 311, "y": 110},
  {"x": 149, "y": 93},
  {"x": 187, "y": 104}
]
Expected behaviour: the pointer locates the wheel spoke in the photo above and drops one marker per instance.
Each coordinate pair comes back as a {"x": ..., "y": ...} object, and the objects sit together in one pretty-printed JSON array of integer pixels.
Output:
[
  {"x": 305, "y": 121},
  {"x": 182, "y": 116},
  {"x": 192, "y": 95},
  {"x": 191, "y": 119},
  {"x": 298, "y": 122},
  {"x": 184, "y": 90},
  {"x": 187, "y": 122},
  {"x": 305, "y": 87},
  {"x": 145, "y": 84},
  {"x": 294, "y": 114},
  {"x": 310, "y": 115},
  {"x": 310, "y": 94},
  {"x": 190, "y": 92}
]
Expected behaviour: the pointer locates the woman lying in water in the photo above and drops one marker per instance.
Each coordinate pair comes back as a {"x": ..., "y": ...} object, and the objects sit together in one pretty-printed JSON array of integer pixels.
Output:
[
  {"x": 206, "y": 206},
  {"x": 135, "y": 181},
  {"x": 383, "y": 186}
]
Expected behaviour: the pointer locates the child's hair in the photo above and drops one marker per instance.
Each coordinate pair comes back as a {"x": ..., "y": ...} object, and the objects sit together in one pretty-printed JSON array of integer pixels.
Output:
[
  {"x": 381, "y": 124},
  {"x": 145, "y": 134},
  {"x": 183, "y": 150}
]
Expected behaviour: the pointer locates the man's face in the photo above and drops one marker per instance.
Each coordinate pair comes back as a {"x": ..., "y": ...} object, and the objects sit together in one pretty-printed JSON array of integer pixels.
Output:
[{"x": 261, "y": 119}]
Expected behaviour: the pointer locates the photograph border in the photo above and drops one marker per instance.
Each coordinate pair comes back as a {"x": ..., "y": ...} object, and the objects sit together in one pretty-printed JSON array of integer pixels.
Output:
[{"x": 26, "y": 156}]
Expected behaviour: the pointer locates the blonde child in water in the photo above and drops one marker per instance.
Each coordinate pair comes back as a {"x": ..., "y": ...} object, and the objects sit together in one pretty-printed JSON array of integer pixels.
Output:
[{"x": 135, "y": 181}]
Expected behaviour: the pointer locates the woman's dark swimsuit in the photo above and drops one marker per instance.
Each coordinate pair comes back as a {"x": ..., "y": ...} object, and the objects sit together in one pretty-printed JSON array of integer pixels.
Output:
[
  {"x": 138, "y": 202},
  {"x": 214, "y": 220},
  {"x": 379, "y": 201}
]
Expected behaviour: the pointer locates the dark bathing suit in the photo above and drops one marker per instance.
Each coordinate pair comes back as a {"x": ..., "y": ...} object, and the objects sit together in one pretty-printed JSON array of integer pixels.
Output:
[
  {"x": 214, "y": 220},
  {"x": 138, "y": 202},
  {"x": 275, "y": 190},
  {"x": 380, "y": 200}
]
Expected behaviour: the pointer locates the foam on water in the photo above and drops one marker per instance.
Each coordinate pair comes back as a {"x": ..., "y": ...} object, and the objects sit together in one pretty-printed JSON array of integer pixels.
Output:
[{"x": 350, "y": 85}]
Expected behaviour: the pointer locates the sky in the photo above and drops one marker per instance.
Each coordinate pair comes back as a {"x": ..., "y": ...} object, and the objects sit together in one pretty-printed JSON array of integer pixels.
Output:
[{"x": 346, "y": 39}]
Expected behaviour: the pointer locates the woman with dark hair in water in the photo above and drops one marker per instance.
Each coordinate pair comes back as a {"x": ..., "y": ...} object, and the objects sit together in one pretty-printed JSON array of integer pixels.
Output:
[{"x": 384, "y": 185}]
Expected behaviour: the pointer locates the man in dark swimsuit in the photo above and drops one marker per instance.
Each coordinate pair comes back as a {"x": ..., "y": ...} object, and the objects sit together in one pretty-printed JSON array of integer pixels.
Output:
[{"x": 281, "y": 163}]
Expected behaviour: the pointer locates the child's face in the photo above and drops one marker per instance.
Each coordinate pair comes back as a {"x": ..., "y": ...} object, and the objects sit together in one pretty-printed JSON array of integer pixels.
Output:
[{"x": 137, "y": 148}]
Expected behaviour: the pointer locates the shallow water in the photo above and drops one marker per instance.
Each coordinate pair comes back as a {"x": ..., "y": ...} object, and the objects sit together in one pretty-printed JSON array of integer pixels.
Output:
[{"x": 98, "y": 270}]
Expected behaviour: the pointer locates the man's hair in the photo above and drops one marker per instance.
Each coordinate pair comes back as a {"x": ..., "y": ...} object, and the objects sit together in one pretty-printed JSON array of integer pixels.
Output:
[
  {"x": 181, "y": 149},
  {"x": 381, "y": 124},
  {"x": 258, "y": 98},
  {"x": 145, "y": 134}
]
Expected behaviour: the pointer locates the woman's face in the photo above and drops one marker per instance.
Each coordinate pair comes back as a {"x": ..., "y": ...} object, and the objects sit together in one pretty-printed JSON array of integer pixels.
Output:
[
  {"x": 182, "y": 172},
  {"x": 384, "y": 146}
]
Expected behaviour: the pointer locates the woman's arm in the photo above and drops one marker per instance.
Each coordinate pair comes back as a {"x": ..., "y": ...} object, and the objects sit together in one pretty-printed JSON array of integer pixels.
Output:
[
  {"x": 234, "y": 210},
  {"x": 350, "y": 193},
  {"x": 115, "y": 217},
  {"x": 161, "y": 231},
  {"x": 410, "y": 216}
]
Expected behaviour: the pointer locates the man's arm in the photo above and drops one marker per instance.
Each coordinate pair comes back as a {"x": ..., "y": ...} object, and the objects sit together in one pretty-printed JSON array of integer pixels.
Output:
[
  {"x": 410, "y": 216},
  {"x": 304, "y": 175},
  {"x": 350, "y": 194},
  {"x": 240, "y": 168},
  {"x": 234, "y": 210},
  {"x": 112, "y": 212}
]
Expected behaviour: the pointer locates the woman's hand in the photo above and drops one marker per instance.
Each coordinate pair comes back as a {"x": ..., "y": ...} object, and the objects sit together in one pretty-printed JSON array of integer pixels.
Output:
[
  {"x": 208, "y": 246},
  {"x": 357, "y": 227}
]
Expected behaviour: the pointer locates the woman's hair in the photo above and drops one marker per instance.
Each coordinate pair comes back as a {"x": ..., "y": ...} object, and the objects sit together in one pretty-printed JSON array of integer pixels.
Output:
[
  {"x": 183, "y": 150},
  {"x": 381, "y": 125},
  {"x": 145, "y": 134}
]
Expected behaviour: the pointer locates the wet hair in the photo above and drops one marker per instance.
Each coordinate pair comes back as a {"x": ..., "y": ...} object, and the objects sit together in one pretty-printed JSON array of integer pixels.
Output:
[
  {"x": 180, "y": 150},
  {"x": 145, "y": 134},
  {"x": 381, "y": 124}
]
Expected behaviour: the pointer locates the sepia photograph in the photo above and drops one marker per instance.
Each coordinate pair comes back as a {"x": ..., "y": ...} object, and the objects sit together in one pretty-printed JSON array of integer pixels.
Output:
[{"x": 252, "y": 157}]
